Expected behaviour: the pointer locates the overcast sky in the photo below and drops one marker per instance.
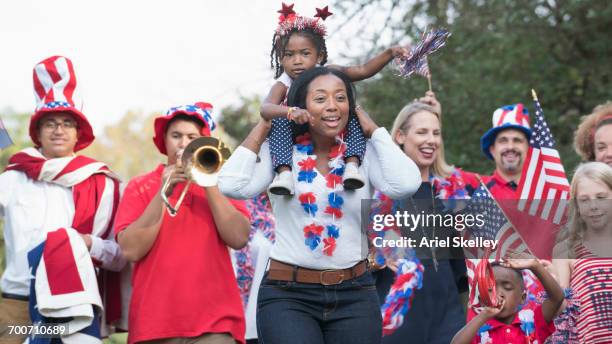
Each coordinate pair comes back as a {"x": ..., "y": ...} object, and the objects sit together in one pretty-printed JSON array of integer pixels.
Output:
[{"x": 144, "y": 55}]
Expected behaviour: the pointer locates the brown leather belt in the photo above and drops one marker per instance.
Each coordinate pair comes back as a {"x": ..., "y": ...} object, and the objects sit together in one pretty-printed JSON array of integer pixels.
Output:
[{"x": 285, "y": 272}]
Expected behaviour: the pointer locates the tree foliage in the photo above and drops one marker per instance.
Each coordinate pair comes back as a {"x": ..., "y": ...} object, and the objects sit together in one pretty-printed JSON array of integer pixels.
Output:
[
  {"x": 127, "y": 146},
  {"x": 237, "y": 120},
  {"x": 498, "y": 51},
  {"x": 17, "y": 126}
]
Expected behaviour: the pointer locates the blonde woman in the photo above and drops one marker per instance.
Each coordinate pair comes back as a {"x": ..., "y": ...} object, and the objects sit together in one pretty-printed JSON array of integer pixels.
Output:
[
  {"x": 436, "y": 313},
  {"x": 583, "y": 255},
  {"x": 593, "y": 138}
]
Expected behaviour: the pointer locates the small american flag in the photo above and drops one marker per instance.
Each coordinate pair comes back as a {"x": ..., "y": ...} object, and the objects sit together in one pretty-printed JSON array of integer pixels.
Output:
[
  {"x": 496, "y": 226},
  {"x": 543, "y": 189},
  {"x": 494, "y": 219},
  {"x": 5, "y": 139},
  {"x": 543, "y": 174}
]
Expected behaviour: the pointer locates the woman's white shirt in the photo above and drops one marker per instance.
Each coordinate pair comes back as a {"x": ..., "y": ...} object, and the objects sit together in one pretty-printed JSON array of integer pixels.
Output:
[{"x": 385, "y": 168}]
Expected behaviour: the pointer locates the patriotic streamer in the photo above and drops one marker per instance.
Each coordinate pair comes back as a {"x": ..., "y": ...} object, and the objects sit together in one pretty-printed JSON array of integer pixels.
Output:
[
  {"x": 245, "y": 272},
  {"x": 397, "y": 303},
  {"x": 262, "y": 220},
  {"x": 318, "y": 231},
  {"x": 430, "y": 42},
  {"x": 409, "y": 275}
]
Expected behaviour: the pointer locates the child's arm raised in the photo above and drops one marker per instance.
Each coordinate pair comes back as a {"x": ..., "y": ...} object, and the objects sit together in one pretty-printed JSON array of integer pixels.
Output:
[
  {"x": 468, "y": 333},
  {"x": 555, "y": 294},
  {"x": 370, "y": 68},
  {"x": 271, "y": 107}
]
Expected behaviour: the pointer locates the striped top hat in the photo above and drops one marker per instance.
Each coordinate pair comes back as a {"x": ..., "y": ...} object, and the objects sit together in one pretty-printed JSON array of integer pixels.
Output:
[
  {"x": 200, "y": 111},
  {"x": 54, "y": 87},
  {"x": 513, "y": 116}
]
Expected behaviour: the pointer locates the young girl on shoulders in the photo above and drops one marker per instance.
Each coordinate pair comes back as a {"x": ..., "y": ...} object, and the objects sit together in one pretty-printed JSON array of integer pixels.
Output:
[{"x": 298, "y": 45}]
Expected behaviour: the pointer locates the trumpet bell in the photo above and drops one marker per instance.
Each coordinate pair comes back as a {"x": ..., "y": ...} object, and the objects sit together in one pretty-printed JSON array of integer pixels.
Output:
[
  {"x": 203, "y": 158},
  {"x": 206, "y": 154}
]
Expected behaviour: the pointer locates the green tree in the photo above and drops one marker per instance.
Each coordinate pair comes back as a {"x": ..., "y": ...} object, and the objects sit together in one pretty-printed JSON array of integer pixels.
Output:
[
  {"x": 17, "y": 126},
  {"x": 237, "y": 120},
  {"x": 127, "y": 146},
  {"x": 498, "y": 51}
]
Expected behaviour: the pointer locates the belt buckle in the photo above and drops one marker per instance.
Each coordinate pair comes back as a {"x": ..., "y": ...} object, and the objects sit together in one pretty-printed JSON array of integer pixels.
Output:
[{"x": 324, "y": 282}]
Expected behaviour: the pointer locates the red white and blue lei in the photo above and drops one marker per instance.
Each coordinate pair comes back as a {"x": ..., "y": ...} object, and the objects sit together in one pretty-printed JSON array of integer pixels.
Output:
[{"x": 322, "y": 233}]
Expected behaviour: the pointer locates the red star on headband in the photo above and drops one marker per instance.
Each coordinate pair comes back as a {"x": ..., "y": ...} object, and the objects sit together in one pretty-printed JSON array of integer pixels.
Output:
[
  {"x": 286, "y": 10},
  {"x": 323, "y": 13}
]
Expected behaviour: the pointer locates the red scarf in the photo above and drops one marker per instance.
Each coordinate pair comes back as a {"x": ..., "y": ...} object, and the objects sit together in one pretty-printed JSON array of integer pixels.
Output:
[{"x": 87, "y": 178}]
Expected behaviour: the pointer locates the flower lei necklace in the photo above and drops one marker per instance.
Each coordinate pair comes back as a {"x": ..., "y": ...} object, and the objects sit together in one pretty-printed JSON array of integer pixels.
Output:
[{"x": 319, "y": 230}]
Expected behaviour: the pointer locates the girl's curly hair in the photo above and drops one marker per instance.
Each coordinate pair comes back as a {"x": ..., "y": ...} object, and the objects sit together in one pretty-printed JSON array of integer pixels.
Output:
[{"x": 584, "y": 137}]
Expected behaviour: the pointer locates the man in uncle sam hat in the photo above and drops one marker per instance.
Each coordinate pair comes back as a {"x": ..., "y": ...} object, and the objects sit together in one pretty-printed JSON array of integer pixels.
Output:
[
  {"x": 183, "y": 287},
  {"x": 50, "y": 192},
  {"x": 507, "y": 143}
]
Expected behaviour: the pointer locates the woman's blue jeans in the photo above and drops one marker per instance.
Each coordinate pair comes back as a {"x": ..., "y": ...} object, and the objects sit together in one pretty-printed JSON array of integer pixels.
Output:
[{"x": 304, "y": 313}]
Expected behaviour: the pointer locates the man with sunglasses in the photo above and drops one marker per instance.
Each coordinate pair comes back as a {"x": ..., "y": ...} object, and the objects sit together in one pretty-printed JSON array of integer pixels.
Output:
[{"x": 47, "y": 188}]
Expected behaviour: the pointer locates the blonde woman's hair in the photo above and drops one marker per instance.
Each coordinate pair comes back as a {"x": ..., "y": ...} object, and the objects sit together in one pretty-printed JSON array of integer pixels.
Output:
[
  {"x": 440, "y": 167},
  {"x": 573, "y": 232},
  {"x": 584, "y": 141}
]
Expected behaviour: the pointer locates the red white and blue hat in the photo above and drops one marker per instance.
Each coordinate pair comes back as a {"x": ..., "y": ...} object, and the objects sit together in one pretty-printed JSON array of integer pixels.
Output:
[
  {"x": 54, "y": 87},
  {"x": 200, "y": 111},
  {"x": 513, "y": 116}
]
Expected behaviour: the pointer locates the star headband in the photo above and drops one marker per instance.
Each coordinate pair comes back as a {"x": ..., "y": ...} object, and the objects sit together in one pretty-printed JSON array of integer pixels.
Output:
[{"x": 289, "y": 21}]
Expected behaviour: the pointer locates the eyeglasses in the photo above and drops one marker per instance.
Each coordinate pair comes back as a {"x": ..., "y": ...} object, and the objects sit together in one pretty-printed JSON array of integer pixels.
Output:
[{"x": 51, "y": 125}]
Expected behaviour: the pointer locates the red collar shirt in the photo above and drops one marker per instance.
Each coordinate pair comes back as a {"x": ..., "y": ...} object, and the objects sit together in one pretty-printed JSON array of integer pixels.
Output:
[
  {"x": 500, "y": 187},
  {"x": 185, "y": 286},
  {"x": 501, "y": 333}
]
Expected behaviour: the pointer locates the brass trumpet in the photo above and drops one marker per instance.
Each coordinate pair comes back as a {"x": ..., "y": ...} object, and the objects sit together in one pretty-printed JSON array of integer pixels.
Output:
[{"x": 202, "y": 158}]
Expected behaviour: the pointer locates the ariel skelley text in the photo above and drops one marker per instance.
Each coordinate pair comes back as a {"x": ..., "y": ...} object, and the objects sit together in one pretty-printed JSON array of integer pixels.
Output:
[{"x": 436, "y": 242}]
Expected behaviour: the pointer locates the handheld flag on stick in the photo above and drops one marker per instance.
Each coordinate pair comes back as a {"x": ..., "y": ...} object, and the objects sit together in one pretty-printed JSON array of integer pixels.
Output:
[
  {"x": 430, "y": 42},
  {"x": 543, "y": 189},
  {"x": 497, "y": 226},
  {"x": 5, "y": 138}
]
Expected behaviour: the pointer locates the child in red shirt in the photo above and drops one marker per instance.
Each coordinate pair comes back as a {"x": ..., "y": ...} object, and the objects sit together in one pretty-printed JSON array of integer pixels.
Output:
[{"x": 506, "y": 323}]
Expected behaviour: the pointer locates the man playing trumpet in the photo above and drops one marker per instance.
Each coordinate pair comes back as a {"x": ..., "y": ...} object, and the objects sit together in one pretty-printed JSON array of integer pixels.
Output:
[{"x": 183, "y": 282}]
